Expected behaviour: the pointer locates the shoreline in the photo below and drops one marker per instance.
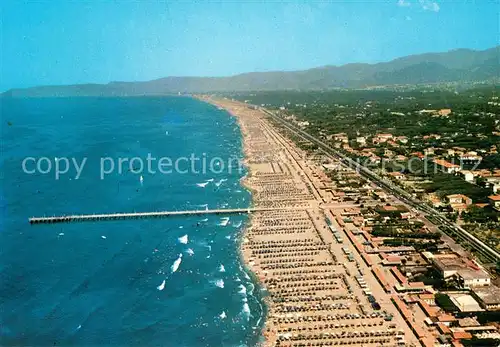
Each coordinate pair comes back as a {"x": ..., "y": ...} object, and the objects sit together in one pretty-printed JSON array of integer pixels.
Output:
[
  {"x": 244, "y": 181},
  {"x": 310, "y": 290}
]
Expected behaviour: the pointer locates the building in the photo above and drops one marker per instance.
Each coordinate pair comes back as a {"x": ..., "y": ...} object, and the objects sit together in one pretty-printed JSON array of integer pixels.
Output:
[
  {"x": 455, "y": 199},
  {"x": 471, "y": 156},
  {"x": 397, "y": 175},
  {"x": 494, "y": 201},
  {"x": 303, "y": 124},
  {"x": 434, "y": 200},
  {"x": 447, "y": 166},
  {"x": 467, "y": 175},
  {"x": 465, "y": 302},
  {"x": 381, "y": 138},
  {"x": 429, "y": 151},
  {"x": 458, "y": 202},
  {"x": 402, "y": 139},
  {"x": 488, "y": 297},
  {"x": 361, "y": 140},
  {"x": 388, "y": 153},
  {"x": 467, "y": 273},
  {"x": 427, "y": 111},
  {"x": 341, "y": 137},
  {"x": 444, "y": 112}
]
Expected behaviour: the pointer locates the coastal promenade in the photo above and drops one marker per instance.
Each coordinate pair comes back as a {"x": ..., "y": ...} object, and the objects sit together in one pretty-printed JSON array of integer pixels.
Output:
[{"x": 314, "y": 294}]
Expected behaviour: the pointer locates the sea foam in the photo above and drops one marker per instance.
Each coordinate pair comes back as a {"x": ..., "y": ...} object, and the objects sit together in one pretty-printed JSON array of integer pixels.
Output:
[
  {"x": 161, "y": 286},
  {"x": 183, "y": 239},
  {"x": 176, "y": 264},
  {"x": 219, "y": 283}
]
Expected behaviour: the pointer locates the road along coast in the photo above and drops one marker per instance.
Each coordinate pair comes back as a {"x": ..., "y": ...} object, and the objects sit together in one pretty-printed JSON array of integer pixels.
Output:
[{"x": 314, "y": 297}]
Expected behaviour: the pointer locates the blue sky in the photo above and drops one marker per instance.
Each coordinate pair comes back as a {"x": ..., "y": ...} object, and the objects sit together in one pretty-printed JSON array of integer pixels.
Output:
[{"x": 63, "y": 42}]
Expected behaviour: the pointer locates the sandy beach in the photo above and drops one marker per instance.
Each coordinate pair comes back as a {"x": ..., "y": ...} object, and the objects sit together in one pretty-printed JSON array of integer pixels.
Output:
[{"x": 313, "y": 299}]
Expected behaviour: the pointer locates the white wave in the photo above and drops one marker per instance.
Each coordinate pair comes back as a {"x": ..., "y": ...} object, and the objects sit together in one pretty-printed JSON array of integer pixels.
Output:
[
  {"x": 228, "y": 237},
  {"x": 183, "y": 239},
  {"x": 261, "y": 313},
  {"x": 224, "y": 221},
  {"x": 243, "y": 289},
  {"x": 219, "y": 283},
  {"x": 238, "y": 224},
  {"x": 246, "y": 275},
  {"x": 210, "y": 180},
  {"x": 189, "y": 251},
  {"x": 222, "y": 180},
  {"x": 161, "y": 286},
  {"x": 103, "y": 237},
  {"x": 204, "y": 220},
  {"x": 222, "y": 268},
  {"x": 252, "y": 287},
  {"x": 202, "y": 185},
  {"x": 246, "y": 310},
  {"x": 237, "y": 279},
  {"x": 79, "y": 327},
  {"x": 176, "y": 264},
  {"x": 181, "y": 227},
  {"x": 61, "y": 234},
  {"x": 222, "y": 315}
]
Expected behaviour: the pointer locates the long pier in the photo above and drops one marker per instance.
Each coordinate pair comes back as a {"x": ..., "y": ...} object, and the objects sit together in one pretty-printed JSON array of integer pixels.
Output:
[{"x": 157, "y": 214}]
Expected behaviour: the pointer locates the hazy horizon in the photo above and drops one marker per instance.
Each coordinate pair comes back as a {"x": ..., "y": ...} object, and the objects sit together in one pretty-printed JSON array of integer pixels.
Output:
[
  {"x": 248, "y": 72},
  {"x": 60, "y": 43}
]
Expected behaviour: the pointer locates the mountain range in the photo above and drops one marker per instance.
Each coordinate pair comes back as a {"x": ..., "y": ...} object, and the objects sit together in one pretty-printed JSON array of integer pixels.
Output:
[{"x": 460, "y": 65}]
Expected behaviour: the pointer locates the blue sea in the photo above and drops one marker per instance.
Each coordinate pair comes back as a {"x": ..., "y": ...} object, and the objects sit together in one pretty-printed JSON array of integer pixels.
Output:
[{"x": 176, "y": 281}]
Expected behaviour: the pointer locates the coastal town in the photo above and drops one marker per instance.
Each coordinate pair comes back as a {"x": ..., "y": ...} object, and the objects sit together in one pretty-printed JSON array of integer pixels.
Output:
[
  {"x": 351, "y": 264},
  {"x": 447, "y": 157}
]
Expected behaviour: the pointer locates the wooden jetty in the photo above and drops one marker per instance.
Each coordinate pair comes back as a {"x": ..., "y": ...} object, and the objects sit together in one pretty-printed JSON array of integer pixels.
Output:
[{"x": 142, "y": 215}]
